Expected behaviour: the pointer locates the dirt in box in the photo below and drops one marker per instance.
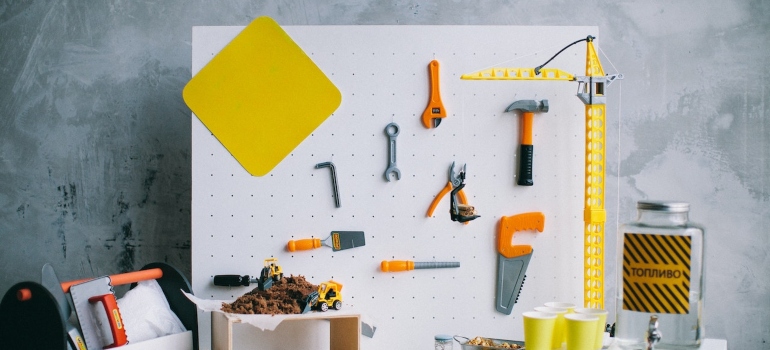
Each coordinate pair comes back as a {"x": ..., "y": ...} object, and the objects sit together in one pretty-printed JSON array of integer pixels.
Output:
[{"x": 284, "y": 297}]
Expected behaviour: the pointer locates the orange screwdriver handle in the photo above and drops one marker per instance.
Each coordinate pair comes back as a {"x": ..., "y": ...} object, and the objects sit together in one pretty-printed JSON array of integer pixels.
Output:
[
  {"x": 113, "y": 316},
  {"x": 303, "y": 244},
  {"x": 396, "y": 265},
  {"x": 121, "y": 279},
  {"x": 510, "y": 225}
]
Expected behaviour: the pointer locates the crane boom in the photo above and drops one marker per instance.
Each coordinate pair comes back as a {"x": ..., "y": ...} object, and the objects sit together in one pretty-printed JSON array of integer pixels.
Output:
[{"x": 591, "y": 93}]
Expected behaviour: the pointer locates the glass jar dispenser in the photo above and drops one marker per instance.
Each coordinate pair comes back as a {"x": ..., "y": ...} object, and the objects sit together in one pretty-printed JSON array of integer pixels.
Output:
[{"x": 660, "y": 274}]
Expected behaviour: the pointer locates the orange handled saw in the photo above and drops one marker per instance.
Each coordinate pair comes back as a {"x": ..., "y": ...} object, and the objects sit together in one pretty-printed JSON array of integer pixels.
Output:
[{"x": 513, "y": 259}]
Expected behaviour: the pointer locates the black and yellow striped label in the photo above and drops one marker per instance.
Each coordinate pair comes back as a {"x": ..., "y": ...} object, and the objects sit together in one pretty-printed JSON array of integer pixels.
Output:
[{"x": 656, "y": 273}]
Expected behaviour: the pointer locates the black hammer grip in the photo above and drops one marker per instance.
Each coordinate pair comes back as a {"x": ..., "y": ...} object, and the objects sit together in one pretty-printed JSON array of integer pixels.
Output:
[{"x": 525, "y": 165}]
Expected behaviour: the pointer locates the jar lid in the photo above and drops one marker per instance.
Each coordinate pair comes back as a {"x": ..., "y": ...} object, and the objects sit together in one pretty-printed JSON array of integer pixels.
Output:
[
  {"x": 666, "y": 206},
  {"x": 443, "y": 337}
]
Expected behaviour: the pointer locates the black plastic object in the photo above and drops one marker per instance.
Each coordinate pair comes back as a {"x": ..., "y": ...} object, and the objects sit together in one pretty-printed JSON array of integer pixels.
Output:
[
  {"x": 525, "y": 165},
  {"x": 173, "y": 283},
  {"x": 232, "y": 280},
  {"x": 35, "y": 323},
  {"x": 454, "y": 211}
]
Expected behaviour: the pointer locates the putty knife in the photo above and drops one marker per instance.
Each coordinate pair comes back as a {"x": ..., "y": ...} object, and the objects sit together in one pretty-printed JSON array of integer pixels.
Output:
[
  {"x": 51, "y": 282},
  {"x": 338, "y": 240}
]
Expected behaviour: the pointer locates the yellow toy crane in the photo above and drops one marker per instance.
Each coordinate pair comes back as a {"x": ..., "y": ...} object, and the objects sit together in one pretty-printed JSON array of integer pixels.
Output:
[{"x": 591, "y": 92}]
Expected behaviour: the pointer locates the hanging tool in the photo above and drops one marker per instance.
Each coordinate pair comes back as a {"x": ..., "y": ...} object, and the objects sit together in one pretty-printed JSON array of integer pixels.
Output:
[
  {"x": 271, "y": 272},
  {"x": 591, "y": 93},
  {"x": 434, "y": 112},
  {"x": 52, "y": 284},
  {"x": 406, "y": 265},
  {"x": 513, "y": 259},
  {"x": 338, "y": 240},
  {"x": 526, "y": 149},
  {"x": 461, "y": 211},
  {"x": 335, "y": 190},
  {"x": 392, "y": 130}
]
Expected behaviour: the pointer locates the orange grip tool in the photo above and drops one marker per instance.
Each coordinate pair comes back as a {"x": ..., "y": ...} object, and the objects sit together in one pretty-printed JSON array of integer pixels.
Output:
[
  {"x": 433, "y": 113},
  {"x": 113, "y": 316},
  {"x": 303, "y": 244},
  {"x": 460, "y": 196},
  {"x": 510, "y": 225},
  {"x": 120, "y": 279},
  {"x": 396, "y": 265}
]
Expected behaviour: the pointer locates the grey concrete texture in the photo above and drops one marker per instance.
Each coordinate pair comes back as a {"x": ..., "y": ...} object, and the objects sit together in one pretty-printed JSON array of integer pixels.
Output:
[{"x": 95, "y": 137}]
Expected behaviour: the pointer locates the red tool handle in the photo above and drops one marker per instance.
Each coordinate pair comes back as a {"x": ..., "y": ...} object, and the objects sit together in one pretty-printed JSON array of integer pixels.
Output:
[
  {"x": 113, "y": 316},
  {"x": 510, "y": 224},
  {"x": 120, "y": 279}
]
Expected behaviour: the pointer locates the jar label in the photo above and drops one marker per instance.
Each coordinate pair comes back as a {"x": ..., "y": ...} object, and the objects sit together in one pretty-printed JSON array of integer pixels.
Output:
[{"x": 656, "y": 273}]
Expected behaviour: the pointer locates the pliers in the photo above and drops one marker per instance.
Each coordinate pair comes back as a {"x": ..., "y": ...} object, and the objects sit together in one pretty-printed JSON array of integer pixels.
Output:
[{"x": 455, "y": 185}]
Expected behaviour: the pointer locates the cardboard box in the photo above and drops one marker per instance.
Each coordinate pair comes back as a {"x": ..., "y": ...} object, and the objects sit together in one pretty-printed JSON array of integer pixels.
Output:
[{"x": 344, "y": 330}]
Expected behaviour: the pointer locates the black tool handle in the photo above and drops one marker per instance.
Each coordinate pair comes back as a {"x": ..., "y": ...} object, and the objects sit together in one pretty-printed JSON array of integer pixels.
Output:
[
  {"x": 231, "y": 280},
  {"x": 525, "y": 165}
]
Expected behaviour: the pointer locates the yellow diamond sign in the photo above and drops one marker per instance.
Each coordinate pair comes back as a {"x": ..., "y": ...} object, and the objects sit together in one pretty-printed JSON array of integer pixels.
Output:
[{"x": 261, "y": 96}]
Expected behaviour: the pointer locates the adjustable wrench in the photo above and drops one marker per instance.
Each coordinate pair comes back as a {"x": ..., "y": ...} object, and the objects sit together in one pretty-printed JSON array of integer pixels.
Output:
[{"x": 392, "y": 151}]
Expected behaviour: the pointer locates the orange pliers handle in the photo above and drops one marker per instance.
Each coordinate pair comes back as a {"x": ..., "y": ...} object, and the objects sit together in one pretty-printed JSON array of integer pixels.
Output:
[{"x": 448, "y": 187}]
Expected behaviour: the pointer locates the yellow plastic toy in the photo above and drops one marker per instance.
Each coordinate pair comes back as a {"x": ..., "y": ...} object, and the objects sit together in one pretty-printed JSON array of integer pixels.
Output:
[{"x": 591, "y": 92}]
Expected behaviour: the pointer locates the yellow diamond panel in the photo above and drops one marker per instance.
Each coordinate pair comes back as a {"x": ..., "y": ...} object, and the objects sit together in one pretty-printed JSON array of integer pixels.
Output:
[{"x": 261, "y": 96}]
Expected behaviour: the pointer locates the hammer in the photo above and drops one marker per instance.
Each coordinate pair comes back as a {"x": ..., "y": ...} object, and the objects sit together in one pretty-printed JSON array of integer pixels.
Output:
[{"x": 528, "y": 109}]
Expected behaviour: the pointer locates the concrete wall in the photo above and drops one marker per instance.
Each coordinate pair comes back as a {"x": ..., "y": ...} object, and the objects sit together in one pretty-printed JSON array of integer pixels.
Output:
[{"x": 95, "y": 138}]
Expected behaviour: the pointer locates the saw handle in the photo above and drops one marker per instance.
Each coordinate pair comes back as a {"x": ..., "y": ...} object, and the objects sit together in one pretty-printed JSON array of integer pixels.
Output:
[
  {"x": 120, "y": 279},
  {"x": 510, "y": 225},
  {"x": 526, "y": 151},
  {"x": 113, "y": 316},
  {"x": 303, "y": 244}
]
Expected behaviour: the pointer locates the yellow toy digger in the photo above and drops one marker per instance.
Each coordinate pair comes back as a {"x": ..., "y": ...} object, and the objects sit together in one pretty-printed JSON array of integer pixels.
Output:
[{"x": 329, "y": 295}]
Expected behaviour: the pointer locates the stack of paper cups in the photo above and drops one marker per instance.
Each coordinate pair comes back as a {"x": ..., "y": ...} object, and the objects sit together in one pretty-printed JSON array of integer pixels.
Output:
[{"x": 600, "y": 323}]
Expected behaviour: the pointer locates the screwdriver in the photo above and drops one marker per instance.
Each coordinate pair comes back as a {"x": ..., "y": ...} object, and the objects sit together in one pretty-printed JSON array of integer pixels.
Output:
[
  {"x": 234, "y": 280},
  {"x": 406, "y": 265}
]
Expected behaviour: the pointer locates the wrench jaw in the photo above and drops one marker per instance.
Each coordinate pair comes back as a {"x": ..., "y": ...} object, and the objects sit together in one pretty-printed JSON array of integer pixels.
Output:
[{"x": 394, "y": 171}]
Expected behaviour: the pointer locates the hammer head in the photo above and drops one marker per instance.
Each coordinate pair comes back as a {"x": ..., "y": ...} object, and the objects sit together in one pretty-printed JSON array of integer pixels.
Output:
[{"x": 529, "y": 106}]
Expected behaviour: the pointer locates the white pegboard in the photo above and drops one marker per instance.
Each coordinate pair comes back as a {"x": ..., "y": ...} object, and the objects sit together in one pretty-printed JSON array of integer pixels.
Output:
[{"x": 381, "y": 71}]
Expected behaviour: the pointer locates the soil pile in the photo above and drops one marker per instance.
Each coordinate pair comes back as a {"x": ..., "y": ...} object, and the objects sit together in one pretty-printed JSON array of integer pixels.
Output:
[{"x": 284, "y": 297}]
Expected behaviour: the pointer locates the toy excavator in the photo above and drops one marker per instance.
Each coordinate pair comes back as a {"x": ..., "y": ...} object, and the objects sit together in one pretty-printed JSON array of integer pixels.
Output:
[{"x": 328, "y": 295}]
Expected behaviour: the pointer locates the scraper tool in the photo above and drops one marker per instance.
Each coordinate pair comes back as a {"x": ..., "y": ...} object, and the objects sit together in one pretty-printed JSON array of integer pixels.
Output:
[
  {"x": 513, "y": 259},
  {"x": 338, "y": 240}
]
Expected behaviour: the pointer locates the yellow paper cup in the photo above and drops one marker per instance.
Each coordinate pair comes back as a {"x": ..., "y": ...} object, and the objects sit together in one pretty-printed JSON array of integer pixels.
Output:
[
  {"x": 538, "y": 330},
  {"x": 602, "y": 315},
  {"x": 581, "y": 331},
  {"x": 559, "y": 334},
  {"x": 569, "y": 306}
]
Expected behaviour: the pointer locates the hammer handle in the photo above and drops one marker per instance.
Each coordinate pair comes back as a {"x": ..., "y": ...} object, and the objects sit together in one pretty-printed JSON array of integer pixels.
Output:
[
  {"x": 525, "y": 165},
  {"x": 526, "y": 150}
]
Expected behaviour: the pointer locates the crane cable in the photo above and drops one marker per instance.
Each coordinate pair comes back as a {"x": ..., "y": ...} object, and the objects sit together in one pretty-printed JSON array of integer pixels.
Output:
[{"x": 538, "y": 68}]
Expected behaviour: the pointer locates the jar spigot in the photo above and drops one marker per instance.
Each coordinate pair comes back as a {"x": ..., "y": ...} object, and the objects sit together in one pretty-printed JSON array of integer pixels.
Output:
[{"x": 653, "y": 334}]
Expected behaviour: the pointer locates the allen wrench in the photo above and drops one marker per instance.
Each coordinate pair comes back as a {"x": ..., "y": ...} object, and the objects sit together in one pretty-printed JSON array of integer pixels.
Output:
[{"x": 334, "y": 181}]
